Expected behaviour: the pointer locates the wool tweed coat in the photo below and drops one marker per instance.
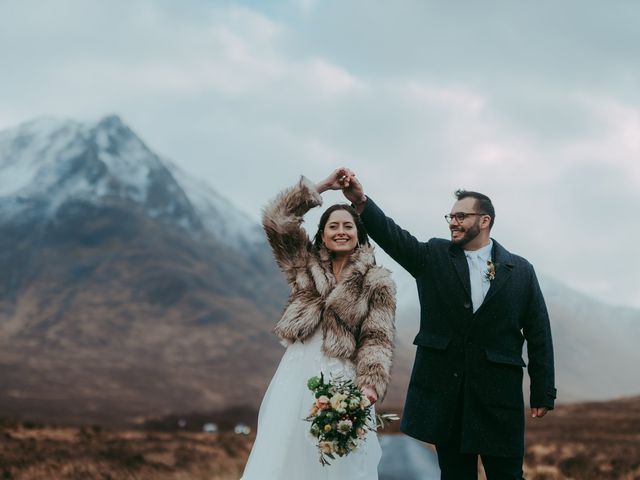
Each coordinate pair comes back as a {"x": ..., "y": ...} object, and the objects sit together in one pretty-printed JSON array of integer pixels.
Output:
[
  {"x": 356, "y": 314},
  {"x": 476, "y": 355}
]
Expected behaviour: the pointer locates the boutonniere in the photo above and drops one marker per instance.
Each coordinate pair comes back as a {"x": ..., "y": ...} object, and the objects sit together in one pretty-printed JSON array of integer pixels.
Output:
[{"x": 490, "y": 274}]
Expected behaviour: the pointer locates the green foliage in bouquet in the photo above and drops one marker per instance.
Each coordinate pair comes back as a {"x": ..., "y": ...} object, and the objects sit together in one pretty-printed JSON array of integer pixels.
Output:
[{"x": 340, "y": 417}]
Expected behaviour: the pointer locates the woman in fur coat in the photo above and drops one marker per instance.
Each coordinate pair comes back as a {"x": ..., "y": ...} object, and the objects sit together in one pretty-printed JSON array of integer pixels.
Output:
[{"x": 339, "y": 320}]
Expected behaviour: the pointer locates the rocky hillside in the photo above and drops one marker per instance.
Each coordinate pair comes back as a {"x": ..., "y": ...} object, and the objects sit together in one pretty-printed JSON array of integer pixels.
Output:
[{"x": 126, "y": 288}]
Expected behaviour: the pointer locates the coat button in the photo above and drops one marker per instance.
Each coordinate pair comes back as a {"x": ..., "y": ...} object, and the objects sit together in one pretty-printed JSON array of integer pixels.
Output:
[{"x": 467, "y": 305}]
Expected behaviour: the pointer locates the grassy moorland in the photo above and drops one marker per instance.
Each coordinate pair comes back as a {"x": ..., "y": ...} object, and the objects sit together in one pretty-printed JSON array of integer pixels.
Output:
[
  {"x": 586, "y": 441},
  {"x": 71, "y": 453},
  {"x": 583, "y": 442}
]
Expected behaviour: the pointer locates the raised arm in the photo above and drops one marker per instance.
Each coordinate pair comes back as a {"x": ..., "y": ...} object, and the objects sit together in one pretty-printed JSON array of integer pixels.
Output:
[
  {"x": 403, "y": 247},
  {"x": 282, "y": 221}
]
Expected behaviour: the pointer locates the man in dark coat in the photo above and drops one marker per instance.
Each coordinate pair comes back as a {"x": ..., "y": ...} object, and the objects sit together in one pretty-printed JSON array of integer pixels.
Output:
[{"x": 478, "y": 303}]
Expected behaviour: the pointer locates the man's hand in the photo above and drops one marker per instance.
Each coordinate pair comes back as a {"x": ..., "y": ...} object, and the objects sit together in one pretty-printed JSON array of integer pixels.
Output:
[
  {"x": 352, "y": 189},
  {"x": 538, "y": 412}
]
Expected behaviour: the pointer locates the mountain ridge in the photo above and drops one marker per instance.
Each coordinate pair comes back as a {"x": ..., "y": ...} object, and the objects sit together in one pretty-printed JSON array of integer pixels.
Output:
[
  {"x": 140, "y": 294},
  {"x": 46, "y": 161},
  {"x": 115, "y": 299}
]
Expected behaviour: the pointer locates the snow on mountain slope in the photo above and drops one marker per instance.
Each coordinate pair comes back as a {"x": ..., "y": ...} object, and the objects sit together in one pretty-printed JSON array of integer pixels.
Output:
[
  {"x": 218, "y": 214},
  {"x": 47, "y": 162}
]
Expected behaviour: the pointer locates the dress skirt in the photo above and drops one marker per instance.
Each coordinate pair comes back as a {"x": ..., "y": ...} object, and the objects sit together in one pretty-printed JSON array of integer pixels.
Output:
[{"x": 284, "y": 449}]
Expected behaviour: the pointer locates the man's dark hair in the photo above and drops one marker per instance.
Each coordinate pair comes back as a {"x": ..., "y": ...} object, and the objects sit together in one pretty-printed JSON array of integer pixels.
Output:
[{"x": 483, "y": 203}]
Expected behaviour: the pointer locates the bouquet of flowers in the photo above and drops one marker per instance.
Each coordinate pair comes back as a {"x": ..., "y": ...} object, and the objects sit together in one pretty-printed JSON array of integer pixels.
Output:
[{"x": 340, "y": 417}]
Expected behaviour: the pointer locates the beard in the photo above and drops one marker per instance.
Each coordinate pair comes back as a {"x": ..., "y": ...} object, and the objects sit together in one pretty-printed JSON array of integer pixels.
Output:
[{"x": 468, "y": 234}]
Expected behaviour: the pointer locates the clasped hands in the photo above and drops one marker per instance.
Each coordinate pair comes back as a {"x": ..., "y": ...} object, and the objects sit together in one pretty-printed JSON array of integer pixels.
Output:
[{"x": 345, "y": 179}]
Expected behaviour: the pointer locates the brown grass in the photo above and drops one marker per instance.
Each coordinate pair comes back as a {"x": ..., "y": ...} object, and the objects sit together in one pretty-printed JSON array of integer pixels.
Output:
[
  {"x": 582, "y": 442},
  {"x": 70, "y": 453},
  {"x": 589, "y": 441}
]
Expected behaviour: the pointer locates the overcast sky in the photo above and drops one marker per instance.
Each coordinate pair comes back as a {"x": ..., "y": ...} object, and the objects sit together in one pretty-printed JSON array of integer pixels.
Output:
[{"x": 536, "y": 104}]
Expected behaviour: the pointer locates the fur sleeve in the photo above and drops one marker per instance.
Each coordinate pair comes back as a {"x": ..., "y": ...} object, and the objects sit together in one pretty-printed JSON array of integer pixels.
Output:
[
  {"x": 282, "y": 222},
  {"x": 375, "y": 346}
]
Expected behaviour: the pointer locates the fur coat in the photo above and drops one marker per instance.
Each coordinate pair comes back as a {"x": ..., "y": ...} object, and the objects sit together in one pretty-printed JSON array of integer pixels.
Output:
[{"x": 356, "y": 314}]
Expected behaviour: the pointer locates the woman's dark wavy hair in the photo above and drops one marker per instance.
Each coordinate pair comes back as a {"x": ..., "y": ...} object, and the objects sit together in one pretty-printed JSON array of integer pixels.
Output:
[{"x": 363, "y": 238}]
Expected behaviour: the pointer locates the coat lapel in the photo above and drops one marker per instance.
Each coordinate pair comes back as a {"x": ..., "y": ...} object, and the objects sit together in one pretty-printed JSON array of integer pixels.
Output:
[
  {"x": 504, "y": 265},
  {"x": 462, "y": 268}
]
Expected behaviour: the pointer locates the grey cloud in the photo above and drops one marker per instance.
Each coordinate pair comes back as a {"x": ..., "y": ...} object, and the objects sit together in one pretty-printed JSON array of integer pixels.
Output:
[{"x": 531, "y": 65}]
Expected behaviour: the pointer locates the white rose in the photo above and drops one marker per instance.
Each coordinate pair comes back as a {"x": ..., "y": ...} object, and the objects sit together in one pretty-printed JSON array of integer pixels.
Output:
[{"x": 337, "y": 399}]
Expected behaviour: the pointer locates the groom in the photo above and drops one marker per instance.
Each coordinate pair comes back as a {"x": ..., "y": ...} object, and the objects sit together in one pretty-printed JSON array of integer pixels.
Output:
[{"x": 479, "y": 303}]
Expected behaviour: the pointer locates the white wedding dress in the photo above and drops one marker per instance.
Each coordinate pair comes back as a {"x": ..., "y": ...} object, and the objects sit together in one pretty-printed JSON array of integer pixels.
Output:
[{"x": 284, "y": 449}]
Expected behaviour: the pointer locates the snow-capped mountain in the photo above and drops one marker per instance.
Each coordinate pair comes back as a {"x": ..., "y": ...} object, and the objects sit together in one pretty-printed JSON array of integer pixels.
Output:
[
  {"x": 126, "y": 287},
  {"x": 46, "y": 162},
  {"x": 218, "y": 215}
]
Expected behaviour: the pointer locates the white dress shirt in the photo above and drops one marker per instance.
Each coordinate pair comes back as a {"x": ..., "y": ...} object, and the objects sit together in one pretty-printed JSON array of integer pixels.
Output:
[{"x": 478, "y": 268}]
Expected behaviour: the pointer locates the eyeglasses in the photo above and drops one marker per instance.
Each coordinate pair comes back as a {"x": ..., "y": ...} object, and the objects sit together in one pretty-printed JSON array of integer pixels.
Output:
[{"x": 460, "y": 216}]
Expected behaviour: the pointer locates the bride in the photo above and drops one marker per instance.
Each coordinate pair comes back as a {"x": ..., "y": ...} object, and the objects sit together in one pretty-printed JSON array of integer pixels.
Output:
[{"x": 339, "y": 320}]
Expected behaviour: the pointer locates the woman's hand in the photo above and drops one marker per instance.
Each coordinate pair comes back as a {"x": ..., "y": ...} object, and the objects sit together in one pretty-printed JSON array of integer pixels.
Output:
[
  {"x": 335, "y": 181},
  {"x": 370, "y": 393}
]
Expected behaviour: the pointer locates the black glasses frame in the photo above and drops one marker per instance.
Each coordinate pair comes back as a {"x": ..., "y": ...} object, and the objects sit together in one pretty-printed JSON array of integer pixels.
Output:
[{"x": 460, "y": 216}]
